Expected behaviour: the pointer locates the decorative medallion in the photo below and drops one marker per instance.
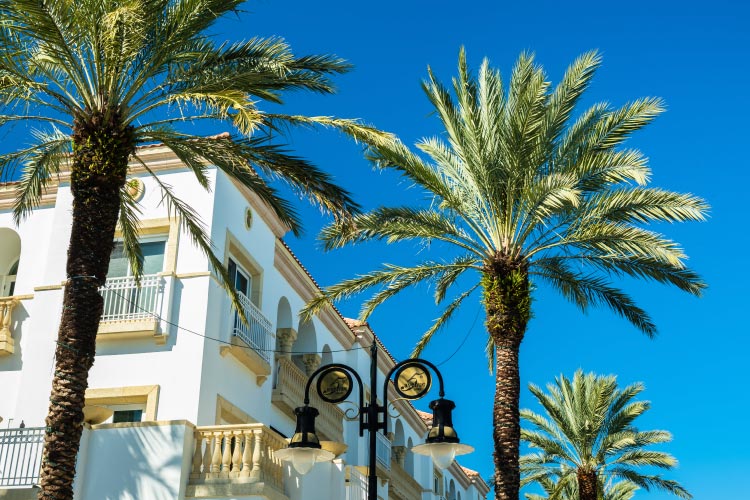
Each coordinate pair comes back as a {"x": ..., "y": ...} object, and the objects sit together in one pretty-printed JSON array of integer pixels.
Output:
[
  {"x": 248, "y": 218},
  {"x": 413, "y": 380},
  {"x": 135, "y": 188},
  {"x": 334, "y": 385}
]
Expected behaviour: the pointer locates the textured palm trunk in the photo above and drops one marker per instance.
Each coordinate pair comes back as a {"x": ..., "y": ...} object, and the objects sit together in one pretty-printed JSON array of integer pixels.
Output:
[
  {"x": 587, "y": 485},
  {"x": 101, "y": 150},
  {"x": 507, "y": 300}
]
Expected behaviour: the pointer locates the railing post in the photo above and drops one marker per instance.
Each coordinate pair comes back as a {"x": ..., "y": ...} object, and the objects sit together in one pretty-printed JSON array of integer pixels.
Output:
[{"x": 247, "y": 452}]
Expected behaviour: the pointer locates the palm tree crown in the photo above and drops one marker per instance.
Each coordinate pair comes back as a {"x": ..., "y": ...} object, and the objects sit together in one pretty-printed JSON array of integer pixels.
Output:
[
  {"x": 524, "y": 187},
  {"x": 96, "y": 78},
  {"x": 622, "y": 490},
  {"x": 588, "y": 436}
]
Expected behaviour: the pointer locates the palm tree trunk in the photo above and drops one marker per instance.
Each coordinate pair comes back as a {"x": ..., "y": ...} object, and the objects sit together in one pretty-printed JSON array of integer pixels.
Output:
[
  {"x": 101, "y": 150},
  {"x": 507, "y": 300},
  {"x": 587, "y": 485}
]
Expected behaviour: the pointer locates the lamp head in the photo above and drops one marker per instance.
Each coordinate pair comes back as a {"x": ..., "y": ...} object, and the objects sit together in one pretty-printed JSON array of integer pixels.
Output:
[
  {"x": 442, "y": 442},
  {"x": 304, "y": 448}
]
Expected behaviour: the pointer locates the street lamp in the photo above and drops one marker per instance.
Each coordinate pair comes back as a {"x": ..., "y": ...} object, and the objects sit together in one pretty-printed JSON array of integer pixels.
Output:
[{"x": 412, "y": 381}]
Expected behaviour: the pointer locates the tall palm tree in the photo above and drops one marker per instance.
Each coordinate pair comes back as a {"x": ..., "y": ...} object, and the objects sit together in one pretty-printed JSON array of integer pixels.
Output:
[
  {"x": 588, "y": 435},
  {"x": 622, "y": 490},
  {"x": 96, "y": 78},
  {"x": 523, "y": 190}
]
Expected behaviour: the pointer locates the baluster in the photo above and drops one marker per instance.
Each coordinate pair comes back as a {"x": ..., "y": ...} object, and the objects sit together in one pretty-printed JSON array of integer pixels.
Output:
[
  {"x": 216, "y": 459},
  {"x": 226, "y": 457},
  {"x": 197, "y": 456},
  {"x": 247, "y": 453},
  {"x": 206, "y": 462},
  {"x": 237, "y": 453},
  {"x": 257, "y": 472}
]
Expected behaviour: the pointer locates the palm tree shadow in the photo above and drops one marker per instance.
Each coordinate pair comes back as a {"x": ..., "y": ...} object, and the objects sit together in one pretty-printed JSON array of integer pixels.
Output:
[{"x": 139, "y": 462}]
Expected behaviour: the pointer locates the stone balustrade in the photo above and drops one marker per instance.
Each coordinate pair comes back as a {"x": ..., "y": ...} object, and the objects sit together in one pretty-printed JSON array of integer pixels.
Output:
[
  {"x": 402, "y": 485},
  {"x": 289, "y": 393},
  {"x": 7, "y": 344},
  {"x": 237, "y": 453}
]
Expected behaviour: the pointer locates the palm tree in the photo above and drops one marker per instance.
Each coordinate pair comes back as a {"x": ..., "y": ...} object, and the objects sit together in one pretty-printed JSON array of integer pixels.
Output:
[
  {"x": 96, "y": 78},
  {"x": 623, "y": 490},
  {"x": 588, "y": 435},
  {"x": 521, "y": 191}
]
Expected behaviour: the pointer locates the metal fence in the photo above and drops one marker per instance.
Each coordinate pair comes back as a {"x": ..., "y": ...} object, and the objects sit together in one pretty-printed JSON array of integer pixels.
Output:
[
  {"x": 258, "y": 332},
  {"x": 20, "y": 456}
]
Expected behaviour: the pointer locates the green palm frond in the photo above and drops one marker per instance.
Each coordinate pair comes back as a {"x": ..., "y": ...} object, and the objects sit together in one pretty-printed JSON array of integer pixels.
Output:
[
  {"x": 441, "y": 321},
  {"x": 592, "y": 416},
  {"x": 129, "y": 224}
]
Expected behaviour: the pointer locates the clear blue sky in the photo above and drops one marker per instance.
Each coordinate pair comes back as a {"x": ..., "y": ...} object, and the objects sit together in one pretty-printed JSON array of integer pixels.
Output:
[{"x": 695, "y": 56}]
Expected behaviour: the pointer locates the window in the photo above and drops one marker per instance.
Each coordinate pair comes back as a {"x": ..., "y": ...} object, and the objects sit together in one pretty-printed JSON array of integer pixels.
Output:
[
  {"x": 241, "y": 278},
  {"x": 124, "y": 300},
  {"x": 127, "y": 416},
  {"x": 151, "y": 263}
]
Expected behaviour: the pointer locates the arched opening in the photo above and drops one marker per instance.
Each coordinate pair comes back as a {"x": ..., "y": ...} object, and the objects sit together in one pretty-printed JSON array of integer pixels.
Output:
[
  {"x": 284, "y": 317},
  {"x": 326, "y": 355},
  {"x": 10, "y": 254},
  {"x": 452, "y": 490},
  {"x": 305, "y": 349},
  {"x": 409, "y": 458}
]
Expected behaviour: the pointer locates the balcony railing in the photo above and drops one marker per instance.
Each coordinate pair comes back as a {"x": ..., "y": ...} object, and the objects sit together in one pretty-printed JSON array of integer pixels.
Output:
[
  {"x": 258, "y": 332},
  {"x": 383, "y": 451},
  {"x": 124, "y": 300},
  {"x": 356, "y": 485},
  {"x": 241, "y": 454},
  {"x": 289, "y": 392},
  {"x": 20, "y": 456}
]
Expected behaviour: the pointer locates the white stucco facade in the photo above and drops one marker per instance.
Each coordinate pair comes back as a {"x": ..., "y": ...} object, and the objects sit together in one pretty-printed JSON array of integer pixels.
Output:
[{"x": 200, "y": 402}]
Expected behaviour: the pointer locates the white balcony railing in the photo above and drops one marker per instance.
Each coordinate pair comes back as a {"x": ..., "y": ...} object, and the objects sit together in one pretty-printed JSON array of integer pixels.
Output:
[
  {"x": 257, "y": 333},
  {"x": 383, "y": 451},
  {"x": 356, "y": 486},
  {"x": 20, "y": 456},
  {"x": 126, "y": 301}
]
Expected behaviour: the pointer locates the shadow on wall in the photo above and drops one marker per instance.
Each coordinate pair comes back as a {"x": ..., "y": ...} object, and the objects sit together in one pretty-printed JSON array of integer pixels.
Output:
[{"x": 143, "y": 462}]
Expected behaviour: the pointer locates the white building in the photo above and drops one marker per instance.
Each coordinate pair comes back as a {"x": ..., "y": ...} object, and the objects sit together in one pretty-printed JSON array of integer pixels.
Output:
[{"x": 193, "y": 402}]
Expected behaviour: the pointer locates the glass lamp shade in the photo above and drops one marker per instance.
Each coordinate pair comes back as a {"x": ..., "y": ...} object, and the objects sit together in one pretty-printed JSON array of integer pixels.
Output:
[
  {"x": 304, "y": 449},
  {"x": 303, "y": 458},
  {"x": 442, "y": 443}
]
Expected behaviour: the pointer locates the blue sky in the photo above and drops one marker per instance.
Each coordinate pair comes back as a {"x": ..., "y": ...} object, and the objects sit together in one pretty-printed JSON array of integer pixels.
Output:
[{"x": 692, "y": 54}]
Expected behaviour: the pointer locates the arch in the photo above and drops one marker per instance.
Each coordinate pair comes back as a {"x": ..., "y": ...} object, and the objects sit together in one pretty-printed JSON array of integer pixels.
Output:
[
  {"x": 398, "y": 435},
  {"x": 10, "y": 255},
  {"x": 326, "y": 356},
  {"x": 306, "y": 338},
  {"x": 452, "y": 490},
  {"x": 284, "y": 318},
  {"x": 409, "y": 459}
]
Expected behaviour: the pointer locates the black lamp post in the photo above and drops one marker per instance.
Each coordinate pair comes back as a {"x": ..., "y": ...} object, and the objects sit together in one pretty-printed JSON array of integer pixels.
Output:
[{"x": 412, "y": 381}]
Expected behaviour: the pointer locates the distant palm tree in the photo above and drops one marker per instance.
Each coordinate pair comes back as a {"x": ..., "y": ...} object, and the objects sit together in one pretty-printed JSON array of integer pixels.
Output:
[
  {"x": 588, "y": 436},
  {"x": 623, "y": 490},
  {"x": 99, "y": 77},
  {"x": 522, "y": 191}
]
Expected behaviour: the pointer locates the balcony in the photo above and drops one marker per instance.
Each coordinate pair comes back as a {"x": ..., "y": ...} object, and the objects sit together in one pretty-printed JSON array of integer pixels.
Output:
[
  {"x": 289, "y": 393},
  {"x": 383, "y": 451},
  {"x": 236, "y": 460},
  {"x": 356, "y": 485},
  {"x": 20, "y": 456},
  {"x": 7, "y": 344},
  {"x": 252, "y": 343},
  {"x": 132, "y": 311}
]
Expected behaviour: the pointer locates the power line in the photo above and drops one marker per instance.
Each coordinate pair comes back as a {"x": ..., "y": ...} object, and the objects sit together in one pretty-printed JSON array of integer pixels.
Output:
[{"x": 466, "y": 337}]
